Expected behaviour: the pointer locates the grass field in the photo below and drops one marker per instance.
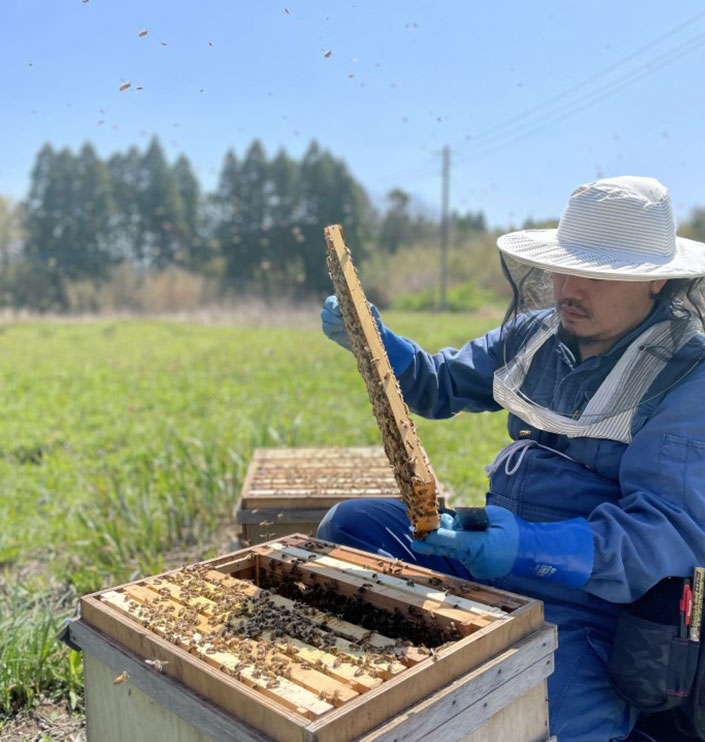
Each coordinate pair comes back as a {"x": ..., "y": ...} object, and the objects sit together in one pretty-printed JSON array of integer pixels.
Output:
[{"x": 123, "y": 446}]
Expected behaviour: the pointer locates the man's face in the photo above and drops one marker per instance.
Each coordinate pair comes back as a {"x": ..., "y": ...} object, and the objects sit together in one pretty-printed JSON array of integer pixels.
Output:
[{"x": 597, "y": 313}]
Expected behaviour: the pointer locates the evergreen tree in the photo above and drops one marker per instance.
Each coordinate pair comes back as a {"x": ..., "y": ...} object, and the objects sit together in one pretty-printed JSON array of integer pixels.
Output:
[
  {"x": 93, "y": 215},
  {"x": 190, "y": 193},
  {"x": 329, "y": 195},
  {"x": 252, "y": 208},
  {"x": 229, "y": 228},
  {"x": 284, "y": 213},
  {"x": 68, "y": 222},
  {"x": 125, "y": 174},
  {"x": 162, "y": 219}
]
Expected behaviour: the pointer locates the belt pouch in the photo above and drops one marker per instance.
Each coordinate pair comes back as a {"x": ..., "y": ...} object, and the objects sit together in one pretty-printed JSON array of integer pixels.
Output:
[{"x": 650, "y": 665}]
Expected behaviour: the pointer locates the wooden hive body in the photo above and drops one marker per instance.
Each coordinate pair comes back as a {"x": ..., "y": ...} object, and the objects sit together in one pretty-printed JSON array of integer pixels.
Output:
[
  {"x": 289, "y": 490},
  {"x": 254, "y": 633}
]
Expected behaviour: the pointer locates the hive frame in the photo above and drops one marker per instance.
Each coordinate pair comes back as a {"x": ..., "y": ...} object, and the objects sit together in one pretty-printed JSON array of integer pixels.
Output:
[{"x": 412, "y": 469}]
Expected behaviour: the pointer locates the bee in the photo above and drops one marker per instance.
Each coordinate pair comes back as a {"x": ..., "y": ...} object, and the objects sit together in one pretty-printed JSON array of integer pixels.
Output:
[
  {"x": 121, "y": 678},
  {"x": 143, "y": 33},
  {"x": 158, "y": 665},
  {"x": 125, "y": 86}
]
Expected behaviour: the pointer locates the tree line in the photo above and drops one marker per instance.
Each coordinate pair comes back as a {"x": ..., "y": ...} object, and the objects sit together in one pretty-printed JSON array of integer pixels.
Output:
[{"x": 259, "y": 232}]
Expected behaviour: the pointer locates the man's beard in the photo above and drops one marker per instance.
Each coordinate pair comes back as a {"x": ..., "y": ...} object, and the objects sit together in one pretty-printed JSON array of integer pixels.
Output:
[{"x": 571, "y": 339}]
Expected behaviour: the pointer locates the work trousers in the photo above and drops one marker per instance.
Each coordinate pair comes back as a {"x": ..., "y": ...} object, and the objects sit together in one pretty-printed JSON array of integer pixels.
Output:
[{"x": 583, "y": 707}]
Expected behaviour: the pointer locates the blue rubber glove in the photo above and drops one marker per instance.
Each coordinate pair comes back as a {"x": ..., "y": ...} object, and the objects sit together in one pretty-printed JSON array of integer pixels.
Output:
[
  {"x": 560, "y": 552},
  {"x": 399, "y": 350}
]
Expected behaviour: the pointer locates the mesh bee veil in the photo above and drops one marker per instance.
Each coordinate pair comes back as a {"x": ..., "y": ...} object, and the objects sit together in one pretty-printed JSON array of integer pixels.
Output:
[{"x": 532, "y": 320}]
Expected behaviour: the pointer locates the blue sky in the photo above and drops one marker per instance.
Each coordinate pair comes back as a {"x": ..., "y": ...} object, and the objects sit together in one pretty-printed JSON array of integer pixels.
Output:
[{"x": 403, "y": 79}]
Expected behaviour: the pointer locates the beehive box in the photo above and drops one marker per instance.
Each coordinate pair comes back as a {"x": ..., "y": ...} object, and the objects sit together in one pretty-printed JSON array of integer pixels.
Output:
[
  {"x": 289, "y": 490},
  {"x": 300, "y": 640}
]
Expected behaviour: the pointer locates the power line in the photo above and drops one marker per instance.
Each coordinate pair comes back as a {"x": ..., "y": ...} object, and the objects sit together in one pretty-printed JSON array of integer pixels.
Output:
[
  {"x": 595, "y": 97},
  {"x": 564, "y": 94},
  {"x": 548, "y": 118}
]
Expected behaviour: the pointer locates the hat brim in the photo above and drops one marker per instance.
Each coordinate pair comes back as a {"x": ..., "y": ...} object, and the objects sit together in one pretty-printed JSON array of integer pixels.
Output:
[{"x": 543, "y": 249}]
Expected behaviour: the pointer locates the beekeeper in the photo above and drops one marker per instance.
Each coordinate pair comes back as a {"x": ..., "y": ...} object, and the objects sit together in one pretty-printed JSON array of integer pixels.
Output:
[{"x": 600, "y": 496}]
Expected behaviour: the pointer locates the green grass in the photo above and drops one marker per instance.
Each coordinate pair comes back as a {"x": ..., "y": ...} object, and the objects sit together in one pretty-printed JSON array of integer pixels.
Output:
[{"x": 122, "y": 441}]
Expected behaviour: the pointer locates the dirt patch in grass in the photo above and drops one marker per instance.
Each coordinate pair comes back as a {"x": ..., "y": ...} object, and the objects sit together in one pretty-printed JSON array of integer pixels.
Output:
[{"x": 44, "y": 722}]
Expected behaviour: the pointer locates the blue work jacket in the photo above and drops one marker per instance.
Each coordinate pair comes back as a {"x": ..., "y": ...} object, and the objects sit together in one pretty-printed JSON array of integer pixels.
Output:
[{"x": 644, "y": 502}]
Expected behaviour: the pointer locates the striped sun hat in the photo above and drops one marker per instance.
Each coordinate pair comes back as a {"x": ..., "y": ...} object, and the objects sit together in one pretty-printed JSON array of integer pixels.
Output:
[{"x": 616, "y": 228}]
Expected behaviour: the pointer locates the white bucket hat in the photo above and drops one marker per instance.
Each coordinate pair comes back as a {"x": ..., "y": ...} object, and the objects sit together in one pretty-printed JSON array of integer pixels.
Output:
[{"x": 616, "y": 228}]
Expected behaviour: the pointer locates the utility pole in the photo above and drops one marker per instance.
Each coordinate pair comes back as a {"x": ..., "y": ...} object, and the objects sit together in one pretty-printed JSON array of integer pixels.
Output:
[{"x": 445, "y": 181}]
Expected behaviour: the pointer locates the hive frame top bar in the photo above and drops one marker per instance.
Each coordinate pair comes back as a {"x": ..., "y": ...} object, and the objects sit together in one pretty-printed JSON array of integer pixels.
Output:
[{"x": 411, "y": 466}]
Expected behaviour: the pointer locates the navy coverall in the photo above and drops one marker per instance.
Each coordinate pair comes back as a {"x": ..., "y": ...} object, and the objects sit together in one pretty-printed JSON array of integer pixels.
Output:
[{"x": 644, "y": 502}]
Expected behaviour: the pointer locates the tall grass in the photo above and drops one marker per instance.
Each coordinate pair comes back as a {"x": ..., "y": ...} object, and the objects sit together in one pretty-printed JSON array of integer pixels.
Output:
[
  {"x": 32, "y": 662},
  {"x": 124, "y": 444}
]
